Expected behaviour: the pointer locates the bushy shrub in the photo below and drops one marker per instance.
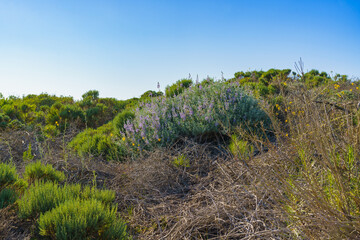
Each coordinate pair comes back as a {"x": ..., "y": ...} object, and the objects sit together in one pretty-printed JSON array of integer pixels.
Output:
[
  {"x": 88, "y": 219},
  {"x": 38, "y": 171},
  {"x": 240, "y": 148},
  {"x": 98, "y": 142},
  {"x": 4, "y": 120},
  {"x": 42, "y": 197},
  {"x": 7, "y": 197},
  {"x": 216, "y": 108},
  {"x": 10, "y": 184},
  {"x": 178, "y": 87},
  {"x": 8, "y": 175},
  {"x": 121, "y": 119}
]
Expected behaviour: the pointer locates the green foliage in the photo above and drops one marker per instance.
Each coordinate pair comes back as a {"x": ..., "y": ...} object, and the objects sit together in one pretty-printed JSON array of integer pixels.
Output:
[
  {"x": 240, "y": 148},
  {"x": 314, "y": 78},
  {"x": 4, "y": 120},
  {"x": 200, "y": 111},
  {"x": 8, "y": 175},
  {"x": 98, "y": 142},
  {"x": 88, "y": 219},
  {"x": 10, "y": 184},
  {"x": 38, "y": 171},
  {"x": 150, "y": 94},
  {"x": 181, "y": 161},
  {"x": 92, "y": 95},
  {"x": 7, "y": 196},
  {"x": 27, "y": 155},
  {"x": 42, "y": 197},
  {"x": 121, "y": 119},
  {"x": 178, "y": 87}
]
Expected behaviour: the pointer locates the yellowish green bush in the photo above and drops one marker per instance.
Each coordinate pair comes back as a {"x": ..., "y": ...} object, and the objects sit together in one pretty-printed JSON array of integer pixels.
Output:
[
  {"x": 38, "y": 171},
  {"x": 76, "y": 219}
]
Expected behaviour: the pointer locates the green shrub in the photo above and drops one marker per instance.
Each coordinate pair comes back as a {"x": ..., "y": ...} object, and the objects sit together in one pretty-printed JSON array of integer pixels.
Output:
[
  {"x": 4, "y": 120},
  {"x": 200, "y": 111},
  {"x": 98, "y": 142},
  {"x": 38, "y": 171},
  {"x": 42, "y": 197},
  {"x": 88, "y": 219},
  {"x": 240, "y": 148},
  {"x": 8, "y": 175},
  {"x": 121, "y": 119},
  {"x": 181, "y": 161},
  {"x": 178, "y": 87},
  {"x": 7, "y": 197}
]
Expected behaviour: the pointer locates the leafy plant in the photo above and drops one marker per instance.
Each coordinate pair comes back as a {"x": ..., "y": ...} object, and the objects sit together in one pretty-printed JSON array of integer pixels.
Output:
[
  {"x": 217, "y": 108},
  {"x": 38, "y": 171},
  {"x": 76, "y": 219}
]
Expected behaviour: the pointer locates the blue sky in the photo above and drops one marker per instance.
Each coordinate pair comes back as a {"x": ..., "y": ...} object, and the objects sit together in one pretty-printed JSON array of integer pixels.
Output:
[{"x": 123, "y": 48}]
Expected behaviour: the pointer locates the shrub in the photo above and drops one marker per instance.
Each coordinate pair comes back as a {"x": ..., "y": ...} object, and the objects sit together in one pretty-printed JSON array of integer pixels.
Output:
[
  {"x": 88, "y": 219},
  {"x": 8, "y": 175},
  {"x": 178, "y": 87},
  {"x": 38, "y": 171},
  {"x": 98, "y": 142},
  {"x": 181, "y": 161},
  {"x": 121, "y": 119},
  {"x": 217, "y": 108},
  {"x": 42, "y": 197},
  {"x": 7, "y": 197},
  {"x": 240, "y": 148}
]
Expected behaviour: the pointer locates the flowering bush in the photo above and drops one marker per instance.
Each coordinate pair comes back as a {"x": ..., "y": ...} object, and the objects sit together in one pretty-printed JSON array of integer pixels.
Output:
[{"x": 216, "y": 108}]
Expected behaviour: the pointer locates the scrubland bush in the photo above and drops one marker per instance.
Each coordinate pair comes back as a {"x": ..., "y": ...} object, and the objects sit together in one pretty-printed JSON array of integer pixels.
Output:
[
  {"x": 41, "y": 197},
  {"x": 7, "y": 197},
  {"x": 4, "y": 120},
  {"x": 8, "y": 175},
  {"x": 178, "y": 87},
  {"x": 10, "y": 184},
  {"x": 37, "y": 171},
  {"x": 98, "y": 142},
  {"x": 87, "y": 219},
  {"x": 214, "y": 109},
  {"x": 314, "y": 166},
  {"x": 120, "y": 120}
]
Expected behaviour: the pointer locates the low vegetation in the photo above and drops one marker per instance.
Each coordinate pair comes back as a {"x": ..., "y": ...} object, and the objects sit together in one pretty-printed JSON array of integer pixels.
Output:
[{"x": 264, "y": 155}]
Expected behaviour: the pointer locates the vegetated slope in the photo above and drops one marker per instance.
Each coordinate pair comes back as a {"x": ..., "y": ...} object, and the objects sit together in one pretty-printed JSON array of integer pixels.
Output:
[{"x": 275, "y": 156}]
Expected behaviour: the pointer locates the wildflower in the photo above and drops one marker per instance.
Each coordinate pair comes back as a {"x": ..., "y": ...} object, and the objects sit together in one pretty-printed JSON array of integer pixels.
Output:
[
  {"x": 357, "y": 88},
  {"x": 111, "y": 134},
  {"x": 133, "y": 144},
  {"x": 287, "y": 135},
  {"x": 293, "y": 113},
  {"x": 123, "y": 138},
  {"x": 352, "y": 83},
  {"x": 286, "y": 120},
  {"x": 290, "y": 102},
  {"x": 159, "y": 139},
  {"x": 350, "y": 90}
]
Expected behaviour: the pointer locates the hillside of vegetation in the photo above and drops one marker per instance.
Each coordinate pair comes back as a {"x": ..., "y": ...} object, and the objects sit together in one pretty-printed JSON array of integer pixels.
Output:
[{"x": 264, "y": 155}]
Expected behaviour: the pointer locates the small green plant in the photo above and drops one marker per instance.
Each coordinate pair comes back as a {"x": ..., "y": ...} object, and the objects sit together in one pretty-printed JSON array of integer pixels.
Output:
[
  {"x": 76, "y": 219},
  {"x": 10, "y": 184},
  {"x": 27, "y": 155},
  {"x": 38, "y": 171},
  {"x": 7, "y": 197},
  {"x": 181, "y": 161},
  {"x": 8, "y": 175},
  {"x": 240, "y": 148},
  {"x": 42, "y": 197}
]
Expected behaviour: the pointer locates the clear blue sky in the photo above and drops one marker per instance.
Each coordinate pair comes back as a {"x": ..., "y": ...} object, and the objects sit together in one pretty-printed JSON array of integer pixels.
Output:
[{"x": 123, "y": 48}]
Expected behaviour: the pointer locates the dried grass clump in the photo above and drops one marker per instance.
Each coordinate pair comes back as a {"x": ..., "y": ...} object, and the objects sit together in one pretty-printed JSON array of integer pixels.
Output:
[
  {"x": 313, "y": 169},
  {"x": 215, "y": 197}
]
